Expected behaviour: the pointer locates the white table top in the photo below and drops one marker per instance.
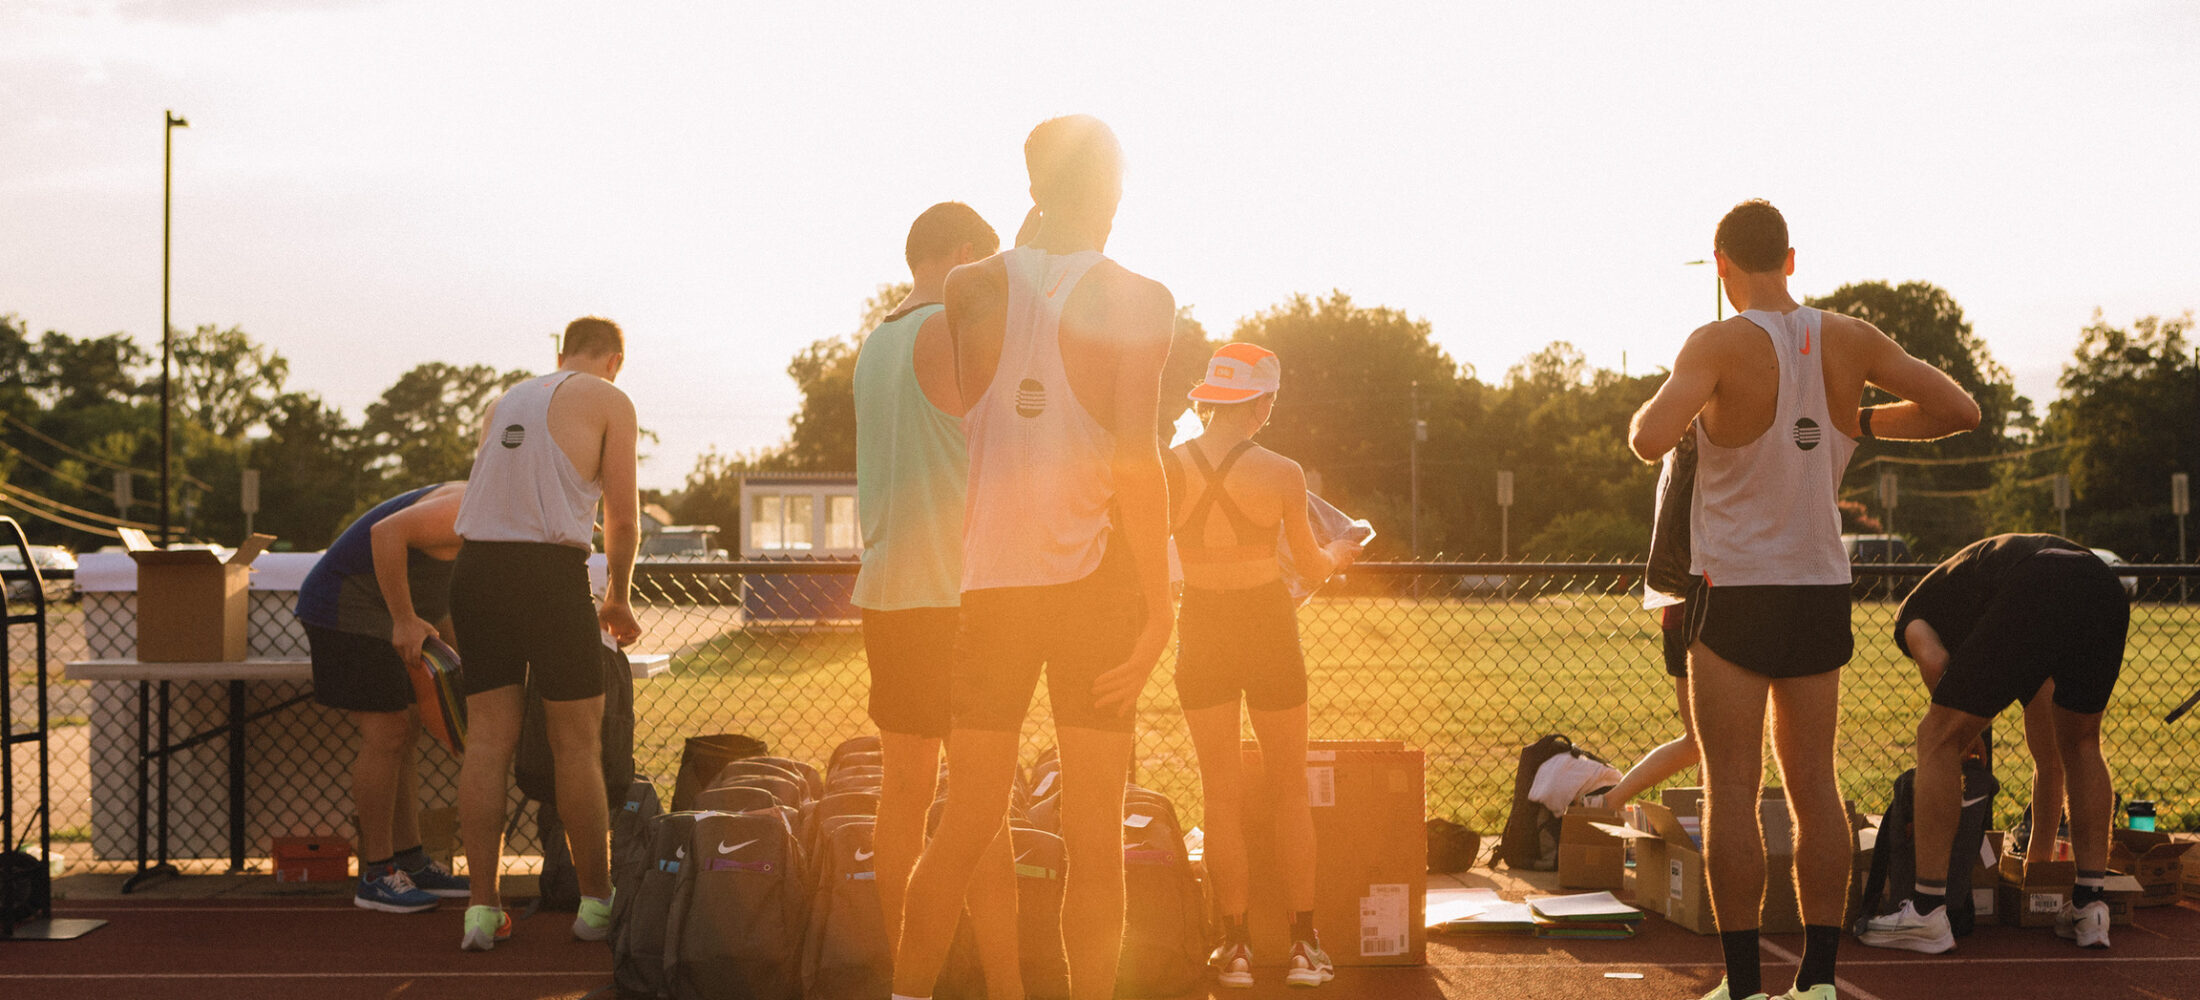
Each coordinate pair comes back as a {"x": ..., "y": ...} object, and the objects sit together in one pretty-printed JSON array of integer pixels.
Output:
[{"x": 264, "y": 668}]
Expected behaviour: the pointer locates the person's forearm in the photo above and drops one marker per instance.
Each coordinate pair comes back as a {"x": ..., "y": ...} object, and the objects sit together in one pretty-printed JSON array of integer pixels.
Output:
[
  {"x": 620, "y": 541},
  {"x": 1142, "y": 493},
  {"x": 391, "y": 556},
  {"x": 1908, "y": 421}
]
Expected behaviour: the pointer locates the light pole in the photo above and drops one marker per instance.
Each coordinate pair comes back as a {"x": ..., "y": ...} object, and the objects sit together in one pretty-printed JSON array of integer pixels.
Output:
[
  {"x": 167, "y": 168},
  {"x": 1413, "y": 449},
  {"x": 1718, "y": 289}
]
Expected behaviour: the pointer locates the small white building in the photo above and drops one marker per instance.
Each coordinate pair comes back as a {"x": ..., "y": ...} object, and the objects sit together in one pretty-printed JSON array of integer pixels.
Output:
[{"x": 799, "y": 514}]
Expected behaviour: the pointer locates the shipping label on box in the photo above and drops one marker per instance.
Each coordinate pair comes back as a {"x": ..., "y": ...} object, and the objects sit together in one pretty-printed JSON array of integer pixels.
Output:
[{"x": 2156, "y": 860}]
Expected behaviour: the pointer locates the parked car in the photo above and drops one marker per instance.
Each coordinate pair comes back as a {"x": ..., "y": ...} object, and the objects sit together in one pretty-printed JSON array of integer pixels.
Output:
[
  {"x": 48, "y": 558},
  {"x": 1878, "y": 550},
  {"x": 2131, "y": 583},
  {"x": 683, "y": 543}
]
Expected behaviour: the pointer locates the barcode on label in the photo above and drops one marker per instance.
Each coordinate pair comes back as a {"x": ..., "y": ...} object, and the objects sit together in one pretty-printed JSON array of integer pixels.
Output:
[
  {"x": 1321, "y": 786},
  {"x": 2043, "y": 902},
  {"x": 1383, "y": 920},
  {"x": 1673, "y": 871}
]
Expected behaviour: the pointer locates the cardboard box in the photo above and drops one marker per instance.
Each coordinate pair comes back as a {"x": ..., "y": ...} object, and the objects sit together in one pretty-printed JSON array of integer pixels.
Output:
[
  {"x": 2157, "y": 860},
  {"x": 1670, "y": 879},
  {"x": 191, "y": 603},
  {"x": 311, "y": 859},
  {"x": 1370, "y": 854},
  {"x": 1590, "y": 857},
  {"x": 2190, "y": 880},
  {"x": 2030, "y": 895}
]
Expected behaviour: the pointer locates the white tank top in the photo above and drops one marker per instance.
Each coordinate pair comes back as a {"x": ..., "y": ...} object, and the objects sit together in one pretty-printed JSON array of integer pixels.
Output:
[
  {"x": 1041, "y": 482},
  {"x": 1764, "y": 513},
  {"x": 523, "y": 488}
]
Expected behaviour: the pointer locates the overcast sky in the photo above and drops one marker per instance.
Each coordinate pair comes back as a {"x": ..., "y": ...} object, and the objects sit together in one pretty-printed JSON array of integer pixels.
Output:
[{"x": 367, "y": 185}]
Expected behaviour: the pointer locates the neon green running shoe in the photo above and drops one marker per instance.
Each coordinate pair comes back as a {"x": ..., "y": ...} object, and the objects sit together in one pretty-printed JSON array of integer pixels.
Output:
[
  {"x": 593, "y": 923},
  {"x": 485, "y": 926}
]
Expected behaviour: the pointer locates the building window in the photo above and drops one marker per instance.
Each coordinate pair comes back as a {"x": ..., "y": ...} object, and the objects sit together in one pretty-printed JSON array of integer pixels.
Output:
[
  {"x": 782, "y": 523},
  {"x": 841, "y": 530}
]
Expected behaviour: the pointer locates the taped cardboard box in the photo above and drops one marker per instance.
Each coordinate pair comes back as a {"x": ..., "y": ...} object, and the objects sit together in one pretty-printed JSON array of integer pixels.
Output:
[
  {"x": 1589, "y": 856},
  {"x": 2191, "y": 877},
  {"x": 1370, "y": 853},
  {"x": 2032, "y": 894},
  {"x": 191, "y": 603},
  {"x": 311, "y": 859},
  {"x": 2157, "y": 860},
  {"x": 1670, "y": 878}
]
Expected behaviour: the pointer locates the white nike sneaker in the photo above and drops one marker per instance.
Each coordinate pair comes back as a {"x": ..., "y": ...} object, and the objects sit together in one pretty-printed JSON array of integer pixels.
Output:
[
  {"x": 2087, "y": 925},
  {"x": 1907, "y": 930}
]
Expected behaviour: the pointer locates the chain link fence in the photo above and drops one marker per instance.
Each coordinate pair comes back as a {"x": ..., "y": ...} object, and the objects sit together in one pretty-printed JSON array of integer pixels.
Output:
[{"x": 1466, "y": 661}]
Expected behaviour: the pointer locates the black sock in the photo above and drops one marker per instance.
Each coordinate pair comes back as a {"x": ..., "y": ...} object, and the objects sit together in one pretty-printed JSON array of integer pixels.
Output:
[
  {"x": 370, "y": 869},
  {"x": 2091, "y": 888},
  {"x": 1928, "y": 894},
  {"x": 1744, "y": 966},
  {"x": 1234, "y": 931},
  {"x": 411, "y": 859},
  {"x": 1302, "y": 926},
  {"x": 1819, "y": 944}
]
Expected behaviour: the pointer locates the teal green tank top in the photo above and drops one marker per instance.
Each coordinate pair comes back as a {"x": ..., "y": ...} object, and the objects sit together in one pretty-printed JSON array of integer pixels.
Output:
[{"x": 911, "y": 469}]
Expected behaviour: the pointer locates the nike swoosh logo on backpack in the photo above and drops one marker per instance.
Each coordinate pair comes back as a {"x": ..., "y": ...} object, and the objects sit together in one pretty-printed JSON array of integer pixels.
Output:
[
  {"x": 1968, "y": 803},
  {"x": 863, "y": 855},
  {"x": 723, "y": 849}
]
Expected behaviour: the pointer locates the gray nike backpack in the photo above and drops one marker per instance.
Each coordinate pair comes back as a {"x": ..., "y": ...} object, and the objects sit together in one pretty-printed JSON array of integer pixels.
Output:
[
  {"x": 738, "y": 912},
  {"x": 638, "y": 944},
  {"x": 845, "y": 956}
]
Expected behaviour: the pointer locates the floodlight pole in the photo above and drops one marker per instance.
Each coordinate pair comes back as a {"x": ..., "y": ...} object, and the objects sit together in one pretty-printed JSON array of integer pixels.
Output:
[
  {"x": 167, "y": 172},
  {"x": 1718, "y": 289},
  {"x": 1413, "y": 450}
]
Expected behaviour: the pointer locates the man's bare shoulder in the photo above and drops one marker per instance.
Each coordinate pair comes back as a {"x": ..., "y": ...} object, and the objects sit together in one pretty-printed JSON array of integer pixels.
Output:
[
  {"x": 1131, "y": 301},
  {"x": 1839, "y": 328},
  {"x": 976, "y": 281},
  {"x": 1715, "y": 340},
  {"x": 599, "y": 394}
]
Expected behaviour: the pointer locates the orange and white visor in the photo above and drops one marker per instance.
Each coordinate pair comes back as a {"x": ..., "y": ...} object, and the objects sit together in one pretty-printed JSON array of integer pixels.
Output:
[{"x": 1238, "y": 372}]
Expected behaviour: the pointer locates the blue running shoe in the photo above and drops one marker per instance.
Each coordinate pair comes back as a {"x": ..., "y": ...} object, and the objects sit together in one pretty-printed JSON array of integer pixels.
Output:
[
  {"x": 435, "y": 878},
  {"x": 390, "y": 891}
]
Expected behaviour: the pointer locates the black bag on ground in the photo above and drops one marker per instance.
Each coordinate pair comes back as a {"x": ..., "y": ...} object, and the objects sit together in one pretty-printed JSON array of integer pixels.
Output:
[
  {"x": 26, "y": 889},
  {"x": 785, "y": 788},
  {"x": 638, "y": 948},
  {"x": 855, "y": 744},
  {"x": 533, "y": 767},
  {"x": 1164, "y": 928},
  {"x": 735, "y": 799},
  {"x": 813, "y": 784},
  {"x": 1043, "y": 965},
  {"x": 1894, "y": 857},
  {"x": 630, "y": 847},
  {"x": 854, "y": 759},
  {"x": 738, "y": 913},
  {"x": 702, "y": 757},
  {"x": 1451, "y": 847},
  {"x": 845, "y": 955},
  {"x": 1530, "y": 842}
]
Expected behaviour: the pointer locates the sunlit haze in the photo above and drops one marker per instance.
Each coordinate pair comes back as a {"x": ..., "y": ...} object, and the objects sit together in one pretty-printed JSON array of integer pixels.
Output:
[{"x": 366, "y": 186}]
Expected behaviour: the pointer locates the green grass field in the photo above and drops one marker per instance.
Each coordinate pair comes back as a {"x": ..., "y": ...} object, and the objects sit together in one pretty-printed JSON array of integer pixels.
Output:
[{"x": 1469, "y": 681}]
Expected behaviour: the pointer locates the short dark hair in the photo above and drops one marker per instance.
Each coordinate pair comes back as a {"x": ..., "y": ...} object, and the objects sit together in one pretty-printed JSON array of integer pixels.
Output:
[
  {"x": 945, "y": 227},
  {"x": 1072, "y": 159},
  {"x": 1753, "y": 236},
  {"x": 594, "y": 336}
]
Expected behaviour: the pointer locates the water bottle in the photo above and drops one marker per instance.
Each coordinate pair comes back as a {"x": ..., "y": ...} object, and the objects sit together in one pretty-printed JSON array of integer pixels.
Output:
[{"x": 2142, "y": 814}]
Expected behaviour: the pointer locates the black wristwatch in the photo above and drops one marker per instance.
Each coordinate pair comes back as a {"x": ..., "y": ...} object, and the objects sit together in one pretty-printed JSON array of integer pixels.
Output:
[{"x": 1864, "y": 421}]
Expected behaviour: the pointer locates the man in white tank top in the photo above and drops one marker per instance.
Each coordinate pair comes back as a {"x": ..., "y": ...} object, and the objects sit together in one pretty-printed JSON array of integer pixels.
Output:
[
  {"x": 1058, "y": 355},
  {"x": 551, "y": 447},
  {"x": 1772, "y": 397}
]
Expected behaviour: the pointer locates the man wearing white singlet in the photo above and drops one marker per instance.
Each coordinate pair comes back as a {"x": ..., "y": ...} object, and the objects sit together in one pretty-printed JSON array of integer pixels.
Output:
[
  {"x": 910, "y": 470},
  {"x": 1058, "y": 356},
  {"x": 552, "y": 448},
  {"x": 1777, "y": 389}
]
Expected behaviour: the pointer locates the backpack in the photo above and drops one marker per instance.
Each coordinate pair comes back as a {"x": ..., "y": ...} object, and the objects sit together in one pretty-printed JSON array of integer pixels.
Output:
[
  {"x": 738, "y": 912},
  {"x": 864, "y": 804},
  {"x": 702, "y": 757},
  {"x": 845, "y": 955},
  {"x": 533, "y": 767},
  {"x": 1164, "y": 928},
  {"x": 1040, "y": 861},
  {"x": 783, "y": 787},
  {"x": 630, "y": 846},
  {"x": 638, "y": 946},
  {"x": 1530, "y": 842},
  {"x": 854, "y": 759},
  {"x": 813, "y": 784},
  {"x": 857, "y": 744},
  {"x": 1451, "y": 847},
  {"x": 856, "y": 779},
  {"x": 1894, "y": 858},
  {"x": 735, "y": 798}
]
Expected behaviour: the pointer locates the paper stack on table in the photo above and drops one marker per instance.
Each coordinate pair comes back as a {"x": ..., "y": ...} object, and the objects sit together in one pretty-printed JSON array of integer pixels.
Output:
[
  {"x": 1590, "y": 915},
  {"x": 1476, "y": 911}
]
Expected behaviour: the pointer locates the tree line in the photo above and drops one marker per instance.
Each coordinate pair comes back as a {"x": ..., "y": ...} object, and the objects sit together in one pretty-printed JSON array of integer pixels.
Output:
[
  {"x": 73, "y": 411},
  {"x": 1357, "y": 378}
]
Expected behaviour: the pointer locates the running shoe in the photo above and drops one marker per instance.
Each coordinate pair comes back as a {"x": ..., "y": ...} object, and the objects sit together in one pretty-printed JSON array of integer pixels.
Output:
[
  {"x": 435, "y": 878},
  {"x": 2087, "y": 925},
  {"x": 390, "y": 891},
  {"x": 593, "y": 923},
  {"x": 1722, "y": 994},
  {"x": 485, "y": 926},
  {"x": 1822, "y": 991},
  {"x": 1309, "y": 966},
  {"x": 1907, "y": 930},
  {"x": 1233, "y": 965}
]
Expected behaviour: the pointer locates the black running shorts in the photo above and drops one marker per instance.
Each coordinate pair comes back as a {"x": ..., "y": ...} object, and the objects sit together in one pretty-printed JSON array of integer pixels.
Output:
[
  {"x": 1232, "y": 642},
  {"x": 1673, "y": 635},
  {"x": 912, "y": 656},
  {"x": 1777, "y": 632},
  {"x": 522, "y": 610},
  {"x": 2059, "y": 615},
  {"x": 1073, "y": 631},
  {"x": 357, "y": 673}
]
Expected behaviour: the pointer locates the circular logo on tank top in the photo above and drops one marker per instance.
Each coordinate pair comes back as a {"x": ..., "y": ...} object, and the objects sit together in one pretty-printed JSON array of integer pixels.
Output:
[
  {"x": 1806, "y": 433},
  {"x": 1031, "y": 398},
  {"x": 513, "y": 435}
]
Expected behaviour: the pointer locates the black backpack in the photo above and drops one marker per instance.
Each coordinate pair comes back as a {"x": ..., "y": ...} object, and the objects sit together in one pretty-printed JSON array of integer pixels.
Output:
[
  {"x": 845, "y": 956},
  {"x": 1530, "y": 842},
  {"x": 1040, "y": 861},
  {"x": 856, "y": 744},
  {"x": 702, "y": 757},
  {"x": 735, "y": 799},
  {"x": 638, "y": 946},
  {"x": 738, "y": 913},
  {"x": 533, "y": 767},
  {"x": 813, "y": 784},
  {"x": 1164, "y": 927},
  {"x": 1894, "y": 858},
  {"x": 631, "y": 851}
]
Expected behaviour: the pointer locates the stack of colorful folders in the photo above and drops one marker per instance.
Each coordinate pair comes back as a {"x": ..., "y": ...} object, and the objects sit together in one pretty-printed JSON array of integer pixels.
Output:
[{"x": 1589, "y": 915}]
